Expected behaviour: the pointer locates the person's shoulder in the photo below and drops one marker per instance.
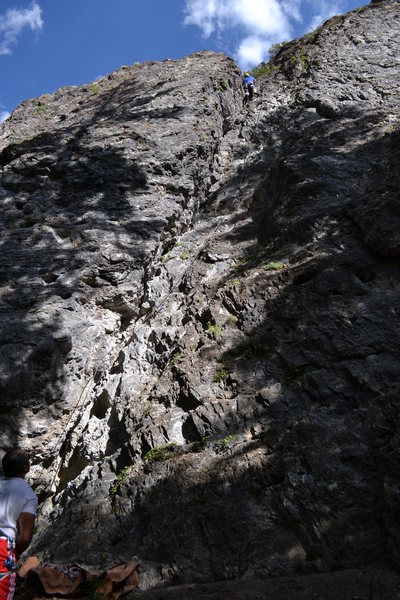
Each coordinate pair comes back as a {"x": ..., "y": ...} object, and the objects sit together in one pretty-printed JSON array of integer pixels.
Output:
[
  {"x": 27, "y": 486},
  {"x": 24, "y": 490},
  {"x": 20, "y": 484}
]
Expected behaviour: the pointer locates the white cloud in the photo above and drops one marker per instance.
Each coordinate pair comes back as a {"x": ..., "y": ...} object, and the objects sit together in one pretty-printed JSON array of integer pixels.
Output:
[
  {"x": 4, "y": 115},
  {"x": 14, "y": 21},
  {"x": 251, "y": 51},
  {"x": 259, "y": 23},
  {"x": 291, "y": 8},
  {"x": 201, "y": 13},
  {"x": 257, "y": 16},
  {"x": 254, "y": 25},
  {"x": 326, "y": 10},
  {"x": 260, "y": 16}
]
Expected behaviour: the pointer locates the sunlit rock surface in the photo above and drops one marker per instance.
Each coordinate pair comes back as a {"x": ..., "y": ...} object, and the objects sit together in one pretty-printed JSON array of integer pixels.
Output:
[{"x": 177, "y": 269}]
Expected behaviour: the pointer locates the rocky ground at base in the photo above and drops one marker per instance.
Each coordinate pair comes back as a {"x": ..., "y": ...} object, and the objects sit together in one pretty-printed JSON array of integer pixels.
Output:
[{"x": 368, "y": 584}]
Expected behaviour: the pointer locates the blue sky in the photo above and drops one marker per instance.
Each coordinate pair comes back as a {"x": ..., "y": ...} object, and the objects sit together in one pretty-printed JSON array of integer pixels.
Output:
[{"x": 47, "y": 44}]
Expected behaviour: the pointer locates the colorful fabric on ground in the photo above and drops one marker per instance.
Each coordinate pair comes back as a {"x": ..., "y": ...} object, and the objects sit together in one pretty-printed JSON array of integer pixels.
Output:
[
  {"x": 7, "y": 578},
  {"x": 75, "y": 580}
]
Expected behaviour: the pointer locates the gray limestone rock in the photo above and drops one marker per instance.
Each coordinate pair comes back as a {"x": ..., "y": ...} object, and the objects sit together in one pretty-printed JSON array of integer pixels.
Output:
[{"x": 200, "y": 302}]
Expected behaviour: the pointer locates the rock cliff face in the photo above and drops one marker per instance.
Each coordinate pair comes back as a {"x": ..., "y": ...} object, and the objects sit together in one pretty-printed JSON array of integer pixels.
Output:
[{"x": 200, "y": 309}]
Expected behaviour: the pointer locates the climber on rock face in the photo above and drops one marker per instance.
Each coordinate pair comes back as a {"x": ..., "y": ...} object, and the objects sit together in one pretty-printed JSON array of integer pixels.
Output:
[
  {"x": 249, "y": 86},
  {"x": 18, "y": 508}
]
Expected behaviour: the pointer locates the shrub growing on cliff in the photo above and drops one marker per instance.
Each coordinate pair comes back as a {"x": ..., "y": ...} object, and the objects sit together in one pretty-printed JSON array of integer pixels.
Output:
[
  {"x": 199, "y": 446},
  {"x": 186, "y": 253},
  {"x": 94, "y": 88},
  {"x": 214, "y": 329},
  {"x": 147, "y": 410},
  {"x": 228, "y": 439},
  {"x": 161, "y": 453},
  {"x": 273, "y": 51},
  {"x": 174, "y": 357},
  {"x": 263, "y": 69},
  {"x": 273, "y": 266},
  {"x": 301, "y": 57},
  {"x": 220, "y": 375},
  {"x": 119, "y": 479},
  {"x": 223, "y": 84}
]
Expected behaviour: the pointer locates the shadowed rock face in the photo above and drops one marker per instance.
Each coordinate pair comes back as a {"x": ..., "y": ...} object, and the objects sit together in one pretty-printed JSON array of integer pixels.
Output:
[{"x": 177, "y": 269}]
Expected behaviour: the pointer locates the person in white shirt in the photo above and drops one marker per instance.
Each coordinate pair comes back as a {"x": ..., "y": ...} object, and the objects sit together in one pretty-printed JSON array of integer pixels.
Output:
[{"x": 18, "y": 508}]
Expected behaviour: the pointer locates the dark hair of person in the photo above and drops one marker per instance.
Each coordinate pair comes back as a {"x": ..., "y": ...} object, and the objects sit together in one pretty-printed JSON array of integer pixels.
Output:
[{"x": 14, "y": 461}]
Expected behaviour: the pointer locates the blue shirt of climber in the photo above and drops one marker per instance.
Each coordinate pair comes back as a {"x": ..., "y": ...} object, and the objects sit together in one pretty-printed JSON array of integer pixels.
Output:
[{"x": 248, "y": 80}]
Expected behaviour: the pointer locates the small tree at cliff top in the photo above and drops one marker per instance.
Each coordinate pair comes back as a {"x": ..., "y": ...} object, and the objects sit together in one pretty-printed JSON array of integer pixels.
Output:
[
  {"x": 264, "y": 68},
  {"x": 273, "y": 51}
]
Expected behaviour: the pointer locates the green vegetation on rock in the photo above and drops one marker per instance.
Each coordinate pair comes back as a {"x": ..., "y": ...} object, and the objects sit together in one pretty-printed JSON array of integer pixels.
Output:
[
  {"x": 228, "y": 439},
  {"x": 94, "y": 88},
  {"x": 160, "y": 453},
  {"x": 220, "y": 375},
  {"x": 223, "y": 84},
  {"x": 214, "y": 329},
  {"x": 273, "y": 266},
  {"x": 119, "y": 479},
  {"x": 198, "y": 446},
  {"x": 174, "y": 357}
]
